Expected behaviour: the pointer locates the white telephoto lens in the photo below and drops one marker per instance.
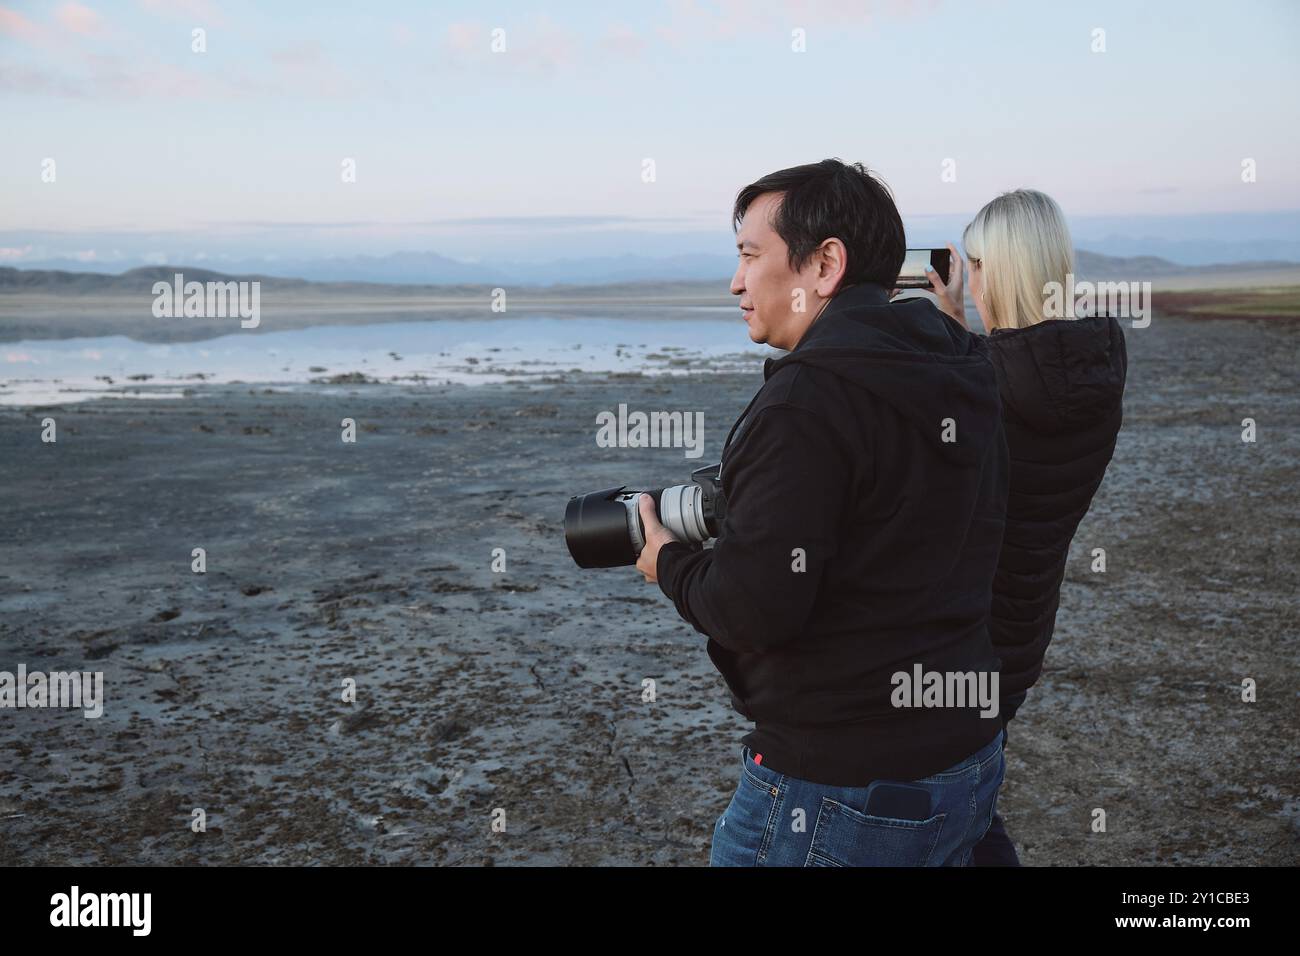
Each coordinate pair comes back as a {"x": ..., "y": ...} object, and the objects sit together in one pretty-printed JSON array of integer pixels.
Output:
[{"x": 682, "y": 512}]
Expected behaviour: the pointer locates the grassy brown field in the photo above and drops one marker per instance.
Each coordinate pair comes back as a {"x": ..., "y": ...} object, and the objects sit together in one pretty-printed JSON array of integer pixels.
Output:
[{"x": 1244, "y": 303}]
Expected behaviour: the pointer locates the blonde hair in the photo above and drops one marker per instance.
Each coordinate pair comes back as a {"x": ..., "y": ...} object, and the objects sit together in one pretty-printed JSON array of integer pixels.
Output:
[{"x": 1022, "y": 243}]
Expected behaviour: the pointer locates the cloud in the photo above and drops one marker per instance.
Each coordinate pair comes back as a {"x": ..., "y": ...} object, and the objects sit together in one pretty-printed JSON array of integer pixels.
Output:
[
  {"x": 305, "y": 69},
  {"x": 196, "y": 12},
  {"x": 113, "y": 76},
  {"x": 548, "y": 47},
  {"x": 295, "y": 71},
  {"x": 14, "y": 24},
  {"x": 463, "y": 37},
  {"x": 690, "y": 20},
  {"x": 540, "y": 46},
  {"x": 71, "y": 71},
  {"x": 118, "y": 77},
  {"x": 300, "y": 55},
  {"x": 69, "y": 19},
  {"x": 623, "y": 40},
  {"x": 80, "y": 19}
]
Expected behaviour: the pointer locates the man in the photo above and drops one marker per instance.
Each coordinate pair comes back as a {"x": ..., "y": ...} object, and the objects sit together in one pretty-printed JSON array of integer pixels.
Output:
[{"x": 846, "y": 596}]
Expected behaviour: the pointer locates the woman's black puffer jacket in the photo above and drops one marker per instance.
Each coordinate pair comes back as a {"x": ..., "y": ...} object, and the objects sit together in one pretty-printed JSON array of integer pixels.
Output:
[{"x": 1062, "y": 386}]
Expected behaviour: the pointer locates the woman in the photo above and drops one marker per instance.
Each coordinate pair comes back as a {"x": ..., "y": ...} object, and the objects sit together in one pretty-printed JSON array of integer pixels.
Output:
[{"x": 1062, "y": 384}]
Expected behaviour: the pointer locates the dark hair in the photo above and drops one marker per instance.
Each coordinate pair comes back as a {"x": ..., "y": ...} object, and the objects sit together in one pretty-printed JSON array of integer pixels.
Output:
[{"x": 833, "y": 200}]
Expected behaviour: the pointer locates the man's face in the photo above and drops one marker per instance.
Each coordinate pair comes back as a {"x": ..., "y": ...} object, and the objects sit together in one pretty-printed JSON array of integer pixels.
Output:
[{"x": 765, "y": 282}]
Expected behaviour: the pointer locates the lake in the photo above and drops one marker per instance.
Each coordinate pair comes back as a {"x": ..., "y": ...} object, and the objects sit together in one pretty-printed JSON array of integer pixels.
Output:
[{"x": 461, "y": 351}]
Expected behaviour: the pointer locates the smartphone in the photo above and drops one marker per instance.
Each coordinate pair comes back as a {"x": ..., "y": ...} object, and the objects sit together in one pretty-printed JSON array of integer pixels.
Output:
[
  {"x": 898, "y": 801},
  {"x": 913, "y": 275}
]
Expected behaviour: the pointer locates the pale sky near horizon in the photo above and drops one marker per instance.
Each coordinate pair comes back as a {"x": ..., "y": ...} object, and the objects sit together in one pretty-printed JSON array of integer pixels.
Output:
[{"x": 250, "y": 136}]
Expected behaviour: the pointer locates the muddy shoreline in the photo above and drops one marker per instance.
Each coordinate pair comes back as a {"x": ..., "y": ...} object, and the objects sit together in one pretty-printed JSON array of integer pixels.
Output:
[{"x": 480, "y": 690}]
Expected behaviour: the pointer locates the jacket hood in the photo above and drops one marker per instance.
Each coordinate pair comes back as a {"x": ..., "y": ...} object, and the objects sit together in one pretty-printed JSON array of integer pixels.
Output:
[
  {"x": 1061, "y": 374},
  {"x": 912, "y": 357}
]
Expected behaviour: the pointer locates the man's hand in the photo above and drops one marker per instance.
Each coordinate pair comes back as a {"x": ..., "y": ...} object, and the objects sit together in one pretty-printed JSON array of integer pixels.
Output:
[{"x": 656, "y": 536}]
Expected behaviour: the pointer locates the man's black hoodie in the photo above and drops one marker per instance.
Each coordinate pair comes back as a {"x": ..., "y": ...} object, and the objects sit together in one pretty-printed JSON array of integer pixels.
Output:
[{"x": 866, "y": 494}]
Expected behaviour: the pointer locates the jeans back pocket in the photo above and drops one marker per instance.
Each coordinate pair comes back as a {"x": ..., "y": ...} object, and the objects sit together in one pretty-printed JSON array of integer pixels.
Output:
[{"x": 844, "y": 836}]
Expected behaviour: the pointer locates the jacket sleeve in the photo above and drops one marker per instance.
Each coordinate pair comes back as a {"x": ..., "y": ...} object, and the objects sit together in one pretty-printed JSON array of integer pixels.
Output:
[{"x": 786, "y": 484}]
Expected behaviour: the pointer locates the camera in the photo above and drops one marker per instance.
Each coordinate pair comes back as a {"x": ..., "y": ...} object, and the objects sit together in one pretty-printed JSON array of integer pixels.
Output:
[{"x": 603, "y": 529}]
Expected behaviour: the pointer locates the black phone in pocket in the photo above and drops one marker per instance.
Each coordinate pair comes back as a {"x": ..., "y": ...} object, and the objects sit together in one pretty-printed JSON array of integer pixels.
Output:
[{"x": 898, "y": 801}]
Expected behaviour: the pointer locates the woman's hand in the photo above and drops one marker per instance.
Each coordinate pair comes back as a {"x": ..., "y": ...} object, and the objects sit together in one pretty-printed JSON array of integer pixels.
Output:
[{"x": 951, "y": 298}]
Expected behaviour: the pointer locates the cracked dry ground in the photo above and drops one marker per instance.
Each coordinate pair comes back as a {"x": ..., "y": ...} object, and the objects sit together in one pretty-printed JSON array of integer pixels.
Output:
[{"x": 523, "y": 691}]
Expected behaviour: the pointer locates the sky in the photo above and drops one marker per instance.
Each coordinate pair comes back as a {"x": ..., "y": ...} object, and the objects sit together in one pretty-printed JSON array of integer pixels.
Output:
[{"x": 540, "y": 149}]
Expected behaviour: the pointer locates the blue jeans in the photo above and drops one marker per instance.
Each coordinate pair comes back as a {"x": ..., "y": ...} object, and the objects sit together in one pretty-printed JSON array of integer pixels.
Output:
[{"x": 777, "y": 820}]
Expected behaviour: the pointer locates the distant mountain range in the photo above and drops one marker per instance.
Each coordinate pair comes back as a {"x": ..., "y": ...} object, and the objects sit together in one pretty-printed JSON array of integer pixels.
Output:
[
  {"x": 542, "y": 251},
  {"x": 412, "y": 272},
  {"x": 1091, "y": 265}
]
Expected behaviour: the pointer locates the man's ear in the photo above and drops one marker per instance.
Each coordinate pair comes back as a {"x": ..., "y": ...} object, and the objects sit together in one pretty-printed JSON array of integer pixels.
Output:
[{"x": 833, "y": 262}]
